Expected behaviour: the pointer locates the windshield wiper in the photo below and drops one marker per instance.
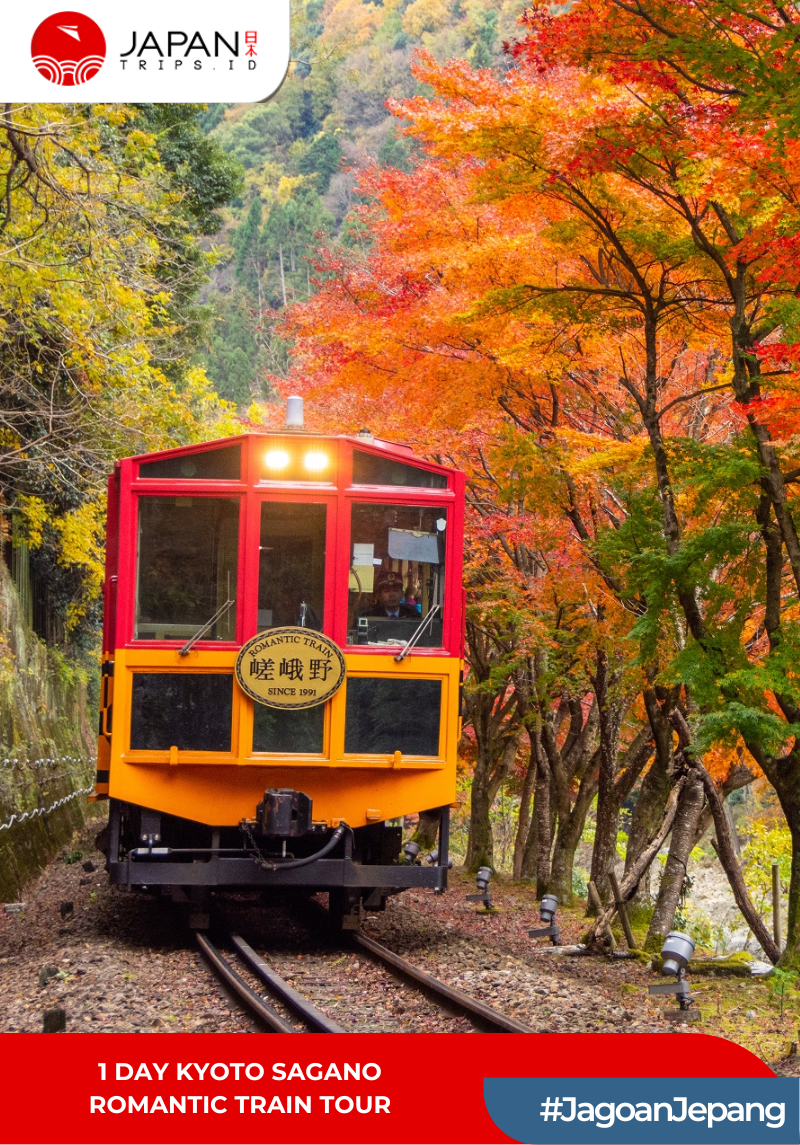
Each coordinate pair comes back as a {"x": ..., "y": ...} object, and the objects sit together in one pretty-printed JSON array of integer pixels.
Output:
[
  {"x": 190, "y": 643},
  {"x": 401, "y": 655}
]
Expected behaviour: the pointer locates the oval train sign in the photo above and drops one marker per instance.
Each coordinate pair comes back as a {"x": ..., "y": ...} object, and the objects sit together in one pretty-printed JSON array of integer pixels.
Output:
[{"x": 290, "y": 668}]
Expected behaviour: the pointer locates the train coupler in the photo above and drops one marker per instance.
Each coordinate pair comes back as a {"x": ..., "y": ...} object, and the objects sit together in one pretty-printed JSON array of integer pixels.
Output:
[{"x": 284, "y": 813}]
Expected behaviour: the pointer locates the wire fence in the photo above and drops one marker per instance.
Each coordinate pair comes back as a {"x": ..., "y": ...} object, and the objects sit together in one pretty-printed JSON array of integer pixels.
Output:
[
  {"x": 21, "y": 816},
  {"x": 44, "y": 762}
]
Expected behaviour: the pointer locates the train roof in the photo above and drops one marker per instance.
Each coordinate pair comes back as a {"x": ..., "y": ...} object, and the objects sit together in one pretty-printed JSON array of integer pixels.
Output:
[{"x": 362, "y": 441}]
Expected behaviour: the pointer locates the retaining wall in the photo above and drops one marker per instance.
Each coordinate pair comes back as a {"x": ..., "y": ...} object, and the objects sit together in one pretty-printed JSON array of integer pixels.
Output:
[{"x": 47, "y": 745}]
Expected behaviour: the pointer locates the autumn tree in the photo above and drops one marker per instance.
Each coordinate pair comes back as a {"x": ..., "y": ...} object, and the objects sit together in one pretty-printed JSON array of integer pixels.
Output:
[
  {"x": 98, "y": 245},
  {"x": 592, "y": 249}
]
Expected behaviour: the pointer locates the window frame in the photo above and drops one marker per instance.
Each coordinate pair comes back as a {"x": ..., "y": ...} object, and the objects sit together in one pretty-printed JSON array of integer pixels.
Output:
[
  {"x": 193, "y": 493},
  {"x": 435, "y": 499},
  {"x": 185, "y": 756}
]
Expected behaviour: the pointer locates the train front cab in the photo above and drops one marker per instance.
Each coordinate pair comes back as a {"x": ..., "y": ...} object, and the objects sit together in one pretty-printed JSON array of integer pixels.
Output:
[{"x": 207, "y": 547}]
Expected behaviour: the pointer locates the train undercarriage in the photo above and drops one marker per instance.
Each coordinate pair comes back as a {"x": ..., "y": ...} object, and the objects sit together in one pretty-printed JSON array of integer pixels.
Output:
[{"x": 359, "y": 868}]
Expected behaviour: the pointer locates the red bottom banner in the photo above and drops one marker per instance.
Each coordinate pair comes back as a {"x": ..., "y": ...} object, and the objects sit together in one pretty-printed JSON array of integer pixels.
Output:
[{"x": 221, "y": 1089}]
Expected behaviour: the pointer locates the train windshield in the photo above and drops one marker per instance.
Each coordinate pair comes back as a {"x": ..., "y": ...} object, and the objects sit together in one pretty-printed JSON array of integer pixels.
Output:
[
  {"x": 188, "y": 564},
  {"x": 291, "y": 580},
  {"x": 397, "y": 566}
]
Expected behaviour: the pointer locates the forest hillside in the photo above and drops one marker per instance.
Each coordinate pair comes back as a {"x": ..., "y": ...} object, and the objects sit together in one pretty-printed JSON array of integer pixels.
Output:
[{"x": 302, "y": 153}]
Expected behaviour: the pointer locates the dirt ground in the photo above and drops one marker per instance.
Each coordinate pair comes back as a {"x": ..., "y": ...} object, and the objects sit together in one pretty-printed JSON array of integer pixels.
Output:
[{"x": 126, "y": 962}]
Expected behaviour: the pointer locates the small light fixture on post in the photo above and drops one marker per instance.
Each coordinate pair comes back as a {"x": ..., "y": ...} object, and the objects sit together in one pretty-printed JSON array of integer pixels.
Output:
[
  {"x": 482, "y": 879},
  {"x": 411, "y": 851},
  {"x": 547, "y": 913},
  {"x": 433, "y": 859},
  {"x": 677, "y": 950},
  {"x": 294, "y": 413}
]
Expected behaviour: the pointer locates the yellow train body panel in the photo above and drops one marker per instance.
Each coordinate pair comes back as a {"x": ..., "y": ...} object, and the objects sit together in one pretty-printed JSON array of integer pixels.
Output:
[{"x": 221, "y": 789}]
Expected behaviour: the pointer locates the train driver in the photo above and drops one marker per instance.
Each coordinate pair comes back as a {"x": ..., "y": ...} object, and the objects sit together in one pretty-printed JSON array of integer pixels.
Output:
[{"x": 389, "y": 593}]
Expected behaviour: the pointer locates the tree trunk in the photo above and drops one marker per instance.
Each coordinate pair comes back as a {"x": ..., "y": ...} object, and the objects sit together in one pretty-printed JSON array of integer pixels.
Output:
[
  {"x": 527, "y": 820},
  {"x": 570, "y": 828},
  {"x": 647, "y": 814},
  {"x": 637, "y": 871},
  {"x": 568, "y": 836},
  {"x": 544, "y": 824},
  {"x": 283, "y": 276},
  {"x": 784, "y": 775},
  {"x": 730, "y": 864},
  {"x": 609, "y": 715},
  {"x": 690, "y": 807},
  {"x": 493, "y": 715},
  {"x": 490, "y": 773},
  {"x": 655, "y": 789},
  {"x": 480, "y": 845},
  {"x": 427, "y": 830}
]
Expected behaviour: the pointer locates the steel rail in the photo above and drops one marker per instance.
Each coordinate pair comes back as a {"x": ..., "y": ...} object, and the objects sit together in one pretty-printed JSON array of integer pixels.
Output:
[
  {"x": 253, "y": 1001},
  {"x": 488, "y": 1019},
  {"x": 302, "y": 1007}
]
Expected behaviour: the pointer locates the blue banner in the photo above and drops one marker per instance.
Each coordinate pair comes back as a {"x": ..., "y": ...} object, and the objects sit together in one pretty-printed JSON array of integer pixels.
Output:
[{"x": 645, "y": 1111}]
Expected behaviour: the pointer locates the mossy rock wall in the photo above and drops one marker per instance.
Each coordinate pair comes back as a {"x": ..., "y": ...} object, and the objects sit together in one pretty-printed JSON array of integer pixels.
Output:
[{"x": 46, "y": 745}]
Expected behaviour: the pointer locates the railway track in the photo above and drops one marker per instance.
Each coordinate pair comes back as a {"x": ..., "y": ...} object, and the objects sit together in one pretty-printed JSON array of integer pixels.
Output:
[
  {"x": 308, "y": 1014},
  {"x": 482, "y": 1017}
]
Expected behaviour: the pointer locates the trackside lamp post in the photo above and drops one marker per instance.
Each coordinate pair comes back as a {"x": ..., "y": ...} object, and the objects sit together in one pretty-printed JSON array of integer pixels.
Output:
[
  {"x": 677, "y": 951},
  {"x": 547, "y": 913},
  {"x": 482, "y": 879}
]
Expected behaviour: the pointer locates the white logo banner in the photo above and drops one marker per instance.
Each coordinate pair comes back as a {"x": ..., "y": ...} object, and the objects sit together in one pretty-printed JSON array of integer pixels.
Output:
[{"x": 148, "y": 52}]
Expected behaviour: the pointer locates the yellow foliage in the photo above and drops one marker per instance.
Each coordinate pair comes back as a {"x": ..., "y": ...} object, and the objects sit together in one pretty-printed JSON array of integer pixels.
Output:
[
  {"x": 32, "y": 520},
  {"x": 288, "y": 185},
  {"x": 81, "y": 536},
  {"x": 425, "y": 16},
  {"x": 598, "y": 453}
]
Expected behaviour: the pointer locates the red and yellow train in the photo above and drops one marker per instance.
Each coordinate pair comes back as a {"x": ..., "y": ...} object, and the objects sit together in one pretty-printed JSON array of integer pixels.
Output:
[{"x": 282, "y": 660}]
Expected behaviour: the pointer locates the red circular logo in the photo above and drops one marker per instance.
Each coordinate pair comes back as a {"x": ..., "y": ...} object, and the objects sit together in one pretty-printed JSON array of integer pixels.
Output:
[{"x": 68, "y": 48}]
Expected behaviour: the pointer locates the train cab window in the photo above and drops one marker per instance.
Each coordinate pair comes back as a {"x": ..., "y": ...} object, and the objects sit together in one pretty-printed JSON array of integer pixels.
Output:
[
  {"x": 187, "y": 710},
  {"x": 188, "y": 558},
  {"x": 291, "y": 732},
  {"x": 208, "y": 465},
  {"x": 396, "y": 574},
  {"x": 291, "y": 578},
  {"x": 371, "y": 469},
  {"x": 383, "y": 716}
]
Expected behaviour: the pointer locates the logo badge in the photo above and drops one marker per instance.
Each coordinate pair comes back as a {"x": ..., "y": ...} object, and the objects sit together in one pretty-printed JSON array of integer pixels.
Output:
[
  {"x": 290, "y": 668},
  {"x": 68, "y": 48}
]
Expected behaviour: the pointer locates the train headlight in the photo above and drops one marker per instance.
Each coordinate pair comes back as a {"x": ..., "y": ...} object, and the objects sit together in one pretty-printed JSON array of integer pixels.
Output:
[
  {"x": 276, "y": 459},
  {"x": 315, "y": 461}
]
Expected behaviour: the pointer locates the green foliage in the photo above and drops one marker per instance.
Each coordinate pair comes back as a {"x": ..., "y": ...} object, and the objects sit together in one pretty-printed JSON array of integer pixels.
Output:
[
  {"x": 350, "y": 58},
  {"x": 321, "y": 158},
  {"x": 394, "y": 151},
  {"x": 208, "y": 176},
  {"x": 768, "y": 844},
  {"x": 780, "y": 982},
  {"x": 580, "y": 882}
]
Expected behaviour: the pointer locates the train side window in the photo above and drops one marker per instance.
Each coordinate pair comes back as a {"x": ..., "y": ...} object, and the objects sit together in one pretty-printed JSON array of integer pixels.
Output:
[
  {"x": 205, "y": 465},
  {"x": 397, "y": 574},
  {"x": 372, "y": 469},
  {"x": 187, "y": 710},
  {"x": 290, "y": 732},
  {"x": 385, "y": 715},
  {"x": 291, "y": 576},
  {"x": 188, "y": 562}
]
